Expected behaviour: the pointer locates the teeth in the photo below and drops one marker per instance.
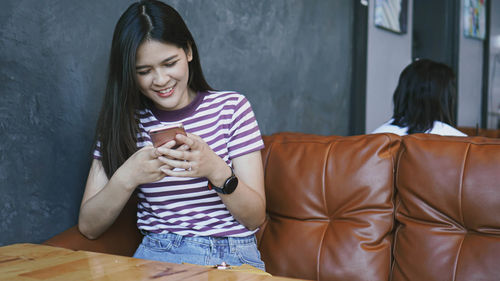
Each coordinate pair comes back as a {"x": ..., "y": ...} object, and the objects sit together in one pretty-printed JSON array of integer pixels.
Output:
[{"x": 166, "y": 90}]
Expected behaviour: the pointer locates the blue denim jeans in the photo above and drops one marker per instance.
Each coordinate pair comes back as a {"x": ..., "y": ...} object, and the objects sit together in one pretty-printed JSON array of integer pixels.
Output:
[{"x": 202, "y": 250}]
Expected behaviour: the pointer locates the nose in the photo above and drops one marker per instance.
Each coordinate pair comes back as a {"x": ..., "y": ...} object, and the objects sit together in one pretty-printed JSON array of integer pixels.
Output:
[{"x": 160, "y": 77}]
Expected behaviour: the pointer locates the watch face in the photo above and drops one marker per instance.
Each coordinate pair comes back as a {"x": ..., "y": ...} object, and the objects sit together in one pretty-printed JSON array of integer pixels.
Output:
[{"x": 230, "y": 185}]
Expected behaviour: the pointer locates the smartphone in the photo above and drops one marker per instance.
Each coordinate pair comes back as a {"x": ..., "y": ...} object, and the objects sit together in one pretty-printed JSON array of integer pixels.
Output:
[{"x": 162, "y": 135}]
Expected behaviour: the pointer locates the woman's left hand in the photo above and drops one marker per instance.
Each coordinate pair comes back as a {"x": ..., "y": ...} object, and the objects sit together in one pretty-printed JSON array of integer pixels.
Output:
[{"x": 195, "y": 158}]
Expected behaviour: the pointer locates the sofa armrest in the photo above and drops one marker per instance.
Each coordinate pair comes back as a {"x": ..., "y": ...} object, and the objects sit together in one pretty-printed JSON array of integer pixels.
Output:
[{"x": 122, "y": 238}]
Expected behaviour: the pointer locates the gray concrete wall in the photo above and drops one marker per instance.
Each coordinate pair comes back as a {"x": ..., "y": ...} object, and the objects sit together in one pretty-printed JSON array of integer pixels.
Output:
[
  {"x": 470, "y": 71},
  {"x": 494, "y": 63},
  {"x": 291, "y": 58}
]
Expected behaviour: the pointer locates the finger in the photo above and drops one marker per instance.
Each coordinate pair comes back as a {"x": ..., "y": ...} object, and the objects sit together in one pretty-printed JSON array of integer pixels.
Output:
[
  {"x": 169, "y": 161},
  {"x": 188, "y": 140},
  {"x": 154, "y": 153},
  {"x": 164, "y": 159},
  {"x": 177, "y": 154},
  {"x": 168, "y": 172},
  {"x": 169, "y": 144},
  {"x": 183, "y": 147},
  {"x": 186, "y": 165},
  {"x": 163, "y": 149},
  {"x": 167, "y": 149},
  {"x": 179, "y": 173},
  {"x": 196, "y": 137},
  {"x": 165, "y": 168}
]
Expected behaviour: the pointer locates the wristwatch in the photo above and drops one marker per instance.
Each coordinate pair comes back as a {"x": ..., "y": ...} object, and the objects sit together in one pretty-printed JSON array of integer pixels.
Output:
[{"x": 229, "y": 185}]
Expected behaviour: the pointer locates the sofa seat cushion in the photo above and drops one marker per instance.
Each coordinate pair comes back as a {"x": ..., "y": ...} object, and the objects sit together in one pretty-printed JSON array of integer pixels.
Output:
[
  {"x": 448, "y": 209},
  {"x": 330, "y": 206}
]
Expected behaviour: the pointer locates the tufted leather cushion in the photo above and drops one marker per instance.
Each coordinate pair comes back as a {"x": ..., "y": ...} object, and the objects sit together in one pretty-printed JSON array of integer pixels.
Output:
[
  {"x": 448, "y": 209},
  {"x": 330, "y": 206}
]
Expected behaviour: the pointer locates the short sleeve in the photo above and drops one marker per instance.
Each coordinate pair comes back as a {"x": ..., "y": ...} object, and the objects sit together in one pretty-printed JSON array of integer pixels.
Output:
[
  {"x": 97, "y": 151},
  {"x": 245, "y": 136}
]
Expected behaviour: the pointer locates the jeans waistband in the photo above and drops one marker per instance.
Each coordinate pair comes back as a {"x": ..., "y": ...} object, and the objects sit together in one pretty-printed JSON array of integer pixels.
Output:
[{"x": 208, "y": 240}]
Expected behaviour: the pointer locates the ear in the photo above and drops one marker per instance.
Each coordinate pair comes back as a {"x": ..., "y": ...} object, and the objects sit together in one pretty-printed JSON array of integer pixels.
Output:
[{"x": 189, "y": 53}]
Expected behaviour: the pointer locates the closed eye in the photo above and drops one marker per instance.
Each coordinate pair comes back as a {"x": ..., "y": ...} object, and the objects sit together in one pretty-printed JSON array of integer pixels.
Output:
[
  {"x": 143, "y": 72},
  {"x": 170, "y": 64},
  {"x": 167, "y": 62}
]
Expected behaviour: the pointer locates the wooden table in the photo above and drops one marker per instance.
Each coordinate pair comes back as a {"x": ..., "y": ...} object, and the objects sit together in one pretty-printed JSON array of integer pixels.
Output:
[{"x": 41, "y": 262}]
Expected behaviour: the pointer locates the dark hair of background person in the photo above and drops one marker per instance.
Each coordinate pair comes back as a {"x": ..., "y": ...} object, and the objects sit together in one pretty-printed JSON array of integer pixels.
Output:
[
  {"x": 426, "y": 92},
  {"x": 117, "y": 127}
]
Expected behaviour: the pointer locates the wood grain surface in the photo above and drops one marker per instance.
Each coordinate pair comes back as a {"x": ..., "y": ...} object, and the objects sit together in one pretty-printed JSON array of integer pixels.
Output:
[{"x": 41, "y": 262}]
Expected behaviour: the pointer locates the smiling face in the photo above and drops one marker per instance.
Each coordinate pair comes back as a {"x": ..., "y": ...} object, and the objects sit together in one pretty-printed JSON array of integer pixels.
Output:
[{"x": 163, "y": 73}]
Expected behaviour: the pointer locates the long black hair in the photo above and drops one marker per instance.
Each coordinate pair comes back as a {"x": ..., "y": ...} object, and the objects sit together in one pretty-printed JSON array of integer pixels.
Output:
[
  {"x": 117, "y": 126},
  {"x": 426, "y": 92}
]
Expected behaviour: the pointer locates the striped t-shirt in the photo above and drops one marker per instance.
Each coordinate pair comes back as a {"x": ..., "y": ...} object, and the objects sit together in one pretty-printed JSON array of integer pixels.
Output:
[{"x": 185, "y": 206}]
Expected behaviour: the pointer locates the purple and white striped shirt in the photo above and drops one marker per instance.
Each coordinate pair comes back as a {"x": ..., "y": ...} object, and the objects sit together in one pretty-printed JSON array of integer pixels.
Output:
[{"x": 185, "y": 206}]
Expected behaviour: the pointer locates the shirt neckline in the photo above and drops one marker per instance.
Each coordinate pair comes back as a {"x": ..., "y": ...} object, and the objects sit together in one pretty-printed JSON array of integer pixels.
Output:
[{"x": 175, "y": 115}]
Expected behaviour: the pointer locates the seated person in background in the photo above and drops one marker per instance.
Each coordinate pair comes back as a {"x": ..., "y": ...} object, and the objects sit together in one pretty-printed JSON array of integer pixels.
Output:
[{"x": 424, "y": 101}]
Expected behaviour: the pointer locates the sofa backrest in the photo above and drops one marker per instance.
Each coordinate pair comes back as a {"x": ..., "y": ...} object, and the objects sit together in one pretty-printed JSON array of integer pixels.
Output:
[
  {"x": 472, "y": 131},
  {"x": 331, "y": 203},
  {"x": 330, "y": 206},
  {"x": 448, "y": 209}
]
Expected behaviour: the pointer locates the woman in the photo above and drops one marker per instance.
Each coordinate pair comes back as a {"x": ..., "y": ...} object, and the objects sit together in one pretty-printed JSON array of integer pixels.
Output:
[
  {"x": 424, "y": 101},
  {"x": 155, "y": 79}
]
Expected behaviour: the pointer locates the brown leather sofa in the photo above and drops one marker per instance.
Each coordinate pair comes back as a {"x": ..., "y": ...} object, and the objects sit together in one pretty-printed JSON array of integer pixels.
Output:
[
  {"x": 476, "y": 131},
  {"x": 368, "y": 207}
]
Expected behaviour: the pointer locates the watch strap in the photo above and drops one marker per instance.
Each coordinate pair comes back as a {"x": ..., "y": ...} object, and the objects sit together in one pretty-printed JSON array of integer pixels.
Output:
[{"x": 226, "y": 188}]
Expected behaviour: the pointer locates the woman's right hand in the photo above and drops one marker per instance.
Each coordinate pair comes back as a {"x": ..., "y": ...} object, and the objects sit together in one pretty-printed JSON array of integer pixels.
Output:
[
  {"x": 104, "y": 198},
  {"x": 143, "y": 166}
]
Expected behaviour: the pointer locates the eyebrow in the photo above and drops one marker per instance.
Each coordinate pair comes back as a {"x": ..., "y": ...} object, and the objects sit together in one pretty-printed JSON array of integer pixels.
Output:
[{"x": 163, "y": 61}]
